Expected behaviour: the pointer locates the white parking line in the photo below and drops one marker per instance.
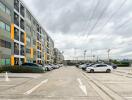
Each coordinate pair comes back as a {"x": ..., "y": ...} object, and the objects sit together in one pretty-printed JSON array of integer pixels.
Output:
[
  {"x": 128, "y": 97},
  {"x": 7, "y": 85},
  {"x": 34, "y": 88},
  {"x": 82, "y": 87}
]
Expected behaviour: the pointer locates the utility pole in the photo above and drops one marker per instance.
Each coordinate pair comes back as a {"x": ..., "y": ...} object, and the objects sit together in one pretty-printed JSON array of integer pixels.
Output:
[
  {"x": 85, "y": 54},
  {"x": 108, "y": 54},
  {"x": 75, "y": 55},
  {"x": 91, "y": 55}
]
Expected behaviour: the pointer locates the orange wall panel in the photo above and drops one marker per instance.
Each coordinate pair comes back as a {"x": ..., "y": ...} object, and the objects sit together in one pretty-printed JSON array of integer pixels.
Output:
[{"x": 12, "y": 32}]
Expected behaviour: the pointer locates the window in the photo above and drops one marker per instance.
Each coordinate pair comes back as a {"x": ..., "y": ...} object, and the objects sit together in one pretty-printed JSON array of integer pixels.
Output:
[
  {"x": 2, "y": 25},
  {"x": 16, "y": 33},
  {"x": 27, "y": 50},
  {"x": 22, "y": 37},
  {"x": 3, "y": 62},
  {"x": 2, "y": 43},
  {"x": 101, "y": 66},
  {"x": 16, "y": 19},
  {"x": 8, "y": 11},
  {"x": 5, "y": 44},
  {"x": 28, "y": 29},
  {"x": 28, "y": 15},
  {"x": 7, "y": 61},
  {"x": 16, "y": 5},
  {"x": 2, "y": 7},
  {"x": 22, "y": 11},
  {"x": 16, "y": 48},
  {"x": 22, "y": 24},
  {"x": 22, "y": 50},
  {"x": 7, "y": 28},
  {"x": 8, "y": 45}
]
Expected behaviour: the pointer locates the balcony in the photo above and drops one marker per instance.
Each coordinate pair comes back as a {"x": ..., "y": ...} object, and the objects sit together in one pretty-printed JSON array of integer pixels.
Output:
[
  {"x": 22, "y": 11},
  {"x": 22, "y": 50},
  {"x": 22, "y": 37},
  {"x": 16, "y": 48},
  {"x": 22, "y": 24},
  {"x": 16, "y": 34},
  {"x": 16, "y": 5},
  {"x": 16, "y": 19}
]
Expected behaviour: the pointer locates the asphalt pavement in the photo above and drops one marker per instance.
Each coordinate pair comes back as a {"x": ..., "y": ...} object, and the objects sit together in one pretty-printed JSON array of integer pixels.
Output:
[{"x": 67, "y": 83}]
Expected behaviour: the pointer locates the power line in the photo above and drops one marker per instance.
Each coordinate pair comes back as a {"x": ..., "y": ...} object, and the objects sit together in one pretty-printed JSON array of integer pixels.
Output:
[
  {"x": 122, "y": 4},
  {"x": 85, "y": 25},
  {"x": 99, "y": 18},
  {"x": 92, "y": 15},
  {"x": 96, "y": 6}
]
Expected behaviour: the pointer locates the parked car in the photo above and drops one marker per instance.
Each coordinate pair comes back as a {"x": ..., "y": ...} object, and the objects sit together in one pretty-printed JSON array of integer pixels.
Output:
[
  {"x": 48, "y": 67},
  {"x": 55, "y": 66},
  {"x": 113, "y": 65},
  {"x": 32, "y": 67},
  {"x": 88, "y": 65},
  {"x": 83, "y": 65},
  {"x": 77, "y": 65},
  {"x": 60, "y": 65},
  {"x": 99, "y": 68}
]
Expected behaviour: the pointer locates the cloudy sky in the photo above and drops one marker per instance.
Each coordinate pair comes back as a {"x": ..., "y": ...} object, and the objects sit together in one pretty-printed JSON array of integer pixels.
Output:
[{"x": 92, "y": 25}]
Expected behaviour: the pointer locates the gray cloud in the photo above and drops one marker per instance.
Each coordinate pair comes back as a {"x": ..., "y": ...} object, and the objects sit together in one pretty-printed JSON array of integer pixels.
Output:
[{"x": 69, "y": 21}]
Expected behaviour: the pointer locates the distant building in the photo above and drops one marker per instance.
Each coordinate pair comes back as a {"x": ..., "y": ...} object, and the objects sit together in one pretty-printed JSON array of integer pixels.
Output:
[{"x": 58, "y": 56}]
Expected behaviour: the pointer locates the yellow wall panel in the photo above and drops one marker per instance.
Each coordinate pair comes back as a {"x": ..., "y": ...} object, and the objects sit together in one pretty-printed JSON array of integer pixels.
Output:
[
  {"x": 12, "y": 32},
  {"x": 12, "y": 60}
]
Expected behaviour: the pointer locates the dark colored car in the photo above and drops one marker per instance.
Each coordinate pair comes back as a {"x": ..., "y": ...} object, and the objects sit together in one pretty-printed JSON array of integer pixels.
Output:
[
  {"x": 31, "y": 67},
  {"x": 114, "y": 66},
  {"x": 88, "y": 65}
]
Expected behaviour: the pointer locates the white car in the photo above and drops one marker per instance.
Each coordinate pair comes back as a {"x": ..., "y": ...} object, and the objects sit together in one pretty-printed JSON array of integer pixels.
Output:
[{"x": 100, "y": 68}]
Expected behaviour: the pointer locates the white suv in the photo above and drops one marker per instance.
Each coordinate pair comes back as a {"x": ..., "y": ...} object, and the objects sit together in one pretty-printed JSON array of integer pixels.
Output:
[{"x": 99, "y": 68}]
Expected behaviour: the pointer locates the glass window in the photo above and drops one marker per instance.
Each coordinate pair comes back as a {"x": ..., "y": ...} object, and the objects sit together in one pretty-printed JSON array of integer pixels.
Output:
[
  {"x": 28, "y": 16},
  {"x": 8, "y": 11},
  {"x": 7, "y": 61},
  {"x": 7, "y": 28},
  {"x": 3, "y": 62},
  {"x": 2, "y": 25},
  {"x": 2, "y": 7},
  {"x": 8, "y": 45},
  {"x": 0, "y": 61},
  {"x": 2, "y": 43}
]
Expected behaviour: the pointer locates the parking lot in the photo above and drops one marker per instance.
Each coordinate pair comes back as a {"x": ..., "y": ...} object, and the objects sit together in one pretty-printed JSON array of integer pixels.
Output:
[{"x": 68, "y": 83}]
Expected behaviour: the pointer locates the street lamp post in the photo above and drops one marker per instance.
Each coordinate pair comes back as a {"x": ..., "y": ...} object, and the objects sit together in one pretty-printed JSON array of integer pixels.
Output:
[{"x": 109, "y": 54}]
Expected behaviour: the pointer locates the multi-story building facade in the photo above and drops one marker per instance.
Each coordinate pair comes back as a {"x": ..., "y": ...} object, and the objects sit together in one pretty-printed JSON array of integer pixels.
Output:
[
  {"x": 58, "y": 56},
  {"x": 22, "y": 38}
]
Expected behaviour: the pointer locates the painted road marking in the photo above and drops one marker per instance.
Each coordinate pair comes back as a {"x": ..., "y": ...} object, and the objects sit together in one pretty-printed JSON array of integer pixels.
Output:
[
  {"x": 7, "y": 85},
  {"x": 128, "y": 97},
  {"x": 82, "y": 87},
  {"x": 34, "y": 88}
]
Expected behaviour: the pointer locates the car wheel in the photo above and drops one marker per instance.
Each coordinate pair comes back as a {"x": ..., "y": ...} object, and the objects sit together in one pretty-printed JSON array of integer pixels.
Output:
[
  {"x": 91, "y": 71},
  {"x": 108, "y": 71}
]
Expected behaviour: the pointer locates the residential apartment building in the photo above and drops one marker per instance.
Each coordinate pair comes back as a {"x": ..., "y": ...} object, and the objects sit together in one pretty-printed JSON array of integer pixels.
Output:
[
  {"x": 22, "y": 38},
  {"x": 58, "y": 56}
]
